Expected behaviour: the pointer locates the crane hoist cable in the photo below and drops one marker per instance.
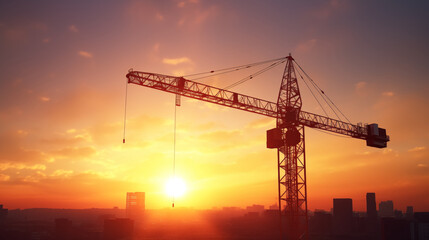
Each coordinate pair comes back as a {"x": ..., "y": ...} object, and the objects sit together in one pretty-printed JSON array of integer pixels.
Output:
[
  {"x": 125, "y": 112},
  {"x": 175, "y": 124},
  {"x": 174, "y": 151}
]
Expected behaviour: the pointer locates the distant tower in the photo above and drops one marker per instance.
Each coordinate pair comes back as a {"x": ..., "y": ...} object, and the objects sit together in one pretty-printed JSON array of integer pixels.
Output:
[
  {"x": 371, "y": 207},
  {"x": 410, "y": 212},
  {"x": 135, "y": 205},
  {"x": 343, "y": 216},
  {"x": 385, "y": 209}
]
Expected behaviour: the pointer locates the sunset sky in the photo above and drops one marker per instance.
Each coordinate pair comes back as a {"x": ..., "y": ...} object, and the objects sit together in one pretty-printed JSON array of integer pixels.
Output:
[{"x": 62, "y": 90}]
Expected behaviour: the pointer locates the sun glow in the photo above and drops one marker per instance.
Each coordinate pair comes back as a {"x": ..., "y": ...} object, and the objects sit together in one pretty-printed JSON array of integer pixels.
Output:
[{"x": 175, "y": 187}]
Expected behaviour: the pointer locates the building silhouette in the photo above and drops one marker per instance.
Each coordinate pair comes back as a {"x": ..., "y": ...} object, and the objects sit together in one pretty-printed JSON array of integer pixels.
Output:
[
  {"x": 371, "y": 215},
  {"x": 135, "y": 205},
  {"x": 118, "y": 229},
  {"x": 63, "y": 228},
  {"x": 321, "y": 223},
  {"x": 386, "y": 209},
  {"x": 343, "y": 216},
  {"x": 395, "y": 229},
  {"x": 409, "y": 213},
  {"x": 3, "y": 213},
  {"x": 255, "y": 208},
  {"x": 371, "y": 207},
  {"x": 421, "y": 228}
]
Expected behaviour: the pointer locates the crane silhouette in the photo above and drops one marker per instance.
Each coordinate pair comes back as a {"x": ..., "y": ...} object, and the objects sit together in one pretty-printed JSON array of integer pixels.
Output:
[{"x": 288, "y": 137}]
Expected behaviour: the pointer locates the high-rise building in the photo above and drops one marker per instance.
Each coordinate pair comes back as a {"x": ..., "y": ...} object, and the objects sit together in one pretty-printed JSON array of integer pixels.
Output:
[
  {"x": 371, "y": 215},
  {"x": 343, "y": 216},
  {"x": 385, "y": 209},
  {"x": 135, "y": 205},
  {"x": 371, "y": 207},
  {"x": 410, "y": 212}
]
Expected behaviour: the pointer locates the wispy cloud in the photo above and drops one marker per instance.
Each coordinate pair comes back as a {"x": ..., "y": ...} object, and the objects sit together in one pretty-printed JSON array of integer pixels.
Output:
[
  {"x": 388, "y": 94},
  {"x": 306, "y": 46},
  {"x": 45, "y": 99},
  {"x": 416, "y": 149},
  {"x": 176, "y": 61},
  {"x": 85, "y": 54},
  {"x": 75, "y": 152},
  {"x": 159, "y": 16},
  {"x": 73, "y": 28},
  {"x": 360, "y": 87}
]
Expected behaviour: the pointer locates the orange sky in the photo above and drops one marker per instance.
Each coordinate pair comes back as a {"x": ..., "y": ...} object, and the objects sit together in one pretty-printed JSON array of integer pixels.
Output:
[{"x": 62, "y": 88}]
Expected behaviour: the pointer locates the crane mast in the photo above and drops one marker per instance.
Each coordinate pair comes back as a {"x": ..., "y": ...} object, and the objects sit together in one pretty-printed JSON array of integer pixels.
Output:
[
  {"x": 288, "y": 137},
  {"x": 292, "y": 179}
]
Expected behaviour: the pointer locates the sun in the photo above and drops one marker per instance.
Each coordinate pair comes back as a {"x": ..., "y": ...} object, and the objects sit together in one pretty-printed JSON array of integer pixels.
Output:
[{"x": 175, "y": 187}]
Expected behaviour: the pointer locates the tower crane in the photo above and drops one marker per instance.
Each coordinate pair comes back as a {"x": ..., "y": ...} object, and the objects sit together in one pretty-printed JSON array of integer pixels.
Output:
[{"x": 287, "y": 137}]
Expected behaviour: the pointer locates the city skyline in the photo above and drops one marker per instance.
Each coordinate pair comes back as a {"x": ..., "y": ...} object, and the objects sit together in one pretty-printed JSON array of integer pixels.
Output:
[{"x": 62, "y": 96}]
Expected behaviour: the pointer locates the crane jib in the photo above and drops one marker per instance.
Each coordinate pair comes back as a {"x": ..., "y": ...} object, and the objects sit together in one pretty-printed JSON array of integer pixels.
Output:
[{"x": 200, "y": 91}]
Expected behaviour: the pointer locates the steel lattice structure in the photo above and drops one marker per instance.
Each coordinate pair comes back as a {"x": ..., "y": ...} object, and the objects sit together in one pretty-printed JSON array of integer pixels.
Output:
[
  {"x": 288, "y": 136},
  {"x": 292, "y": 180}
]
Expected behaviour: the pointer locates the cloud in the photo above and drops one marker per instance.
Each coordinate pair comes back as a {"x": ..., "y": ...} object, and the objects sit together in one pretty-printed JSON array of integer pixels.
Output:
[
  {"x": 416, "y": 149},
  {"x": 181, "y": 4},
  {"x": 78, "y": 103},
  {"x": 74, "y": 152},
  {"x": 329, "y": 9},
  {"x": 85, "y": 54},
  {"x": 405, "y": 118},
  {"x": 21, "y": 166},
  {"x": 306, "y": 46},
  {"x": 71, "y": 130},
  {"x": 73, "y": 28},
  {"x": 262, "y": 123},
  {"x": 176, "y": 61},
  {"x": 45, "y": 99},
  {"x": 4, "y": 177},
  {"x": 204, "y": 15},
  {"x": 155, "y": 47},
  {"x": 159, "y": 16},
  {"x": 21, "y": 32},
  {"x": 13, "y": 151},
  {"x": 360, "y": 88},
  {"x": 388, "y": 94},
  {"x": 62, "y": 173},
  {"x": 360, "y": 85},
  {"x": 64, "y": 141}
]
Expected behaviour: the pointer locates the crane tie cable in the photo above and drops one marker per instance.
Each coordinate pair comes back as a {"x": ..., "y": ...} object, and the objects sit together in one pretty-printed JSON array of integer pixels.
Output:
[
  {"x": 322, "y": 93},
  {"x": 231, "y": 69},
  {"x": 245, "y": 79}
]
